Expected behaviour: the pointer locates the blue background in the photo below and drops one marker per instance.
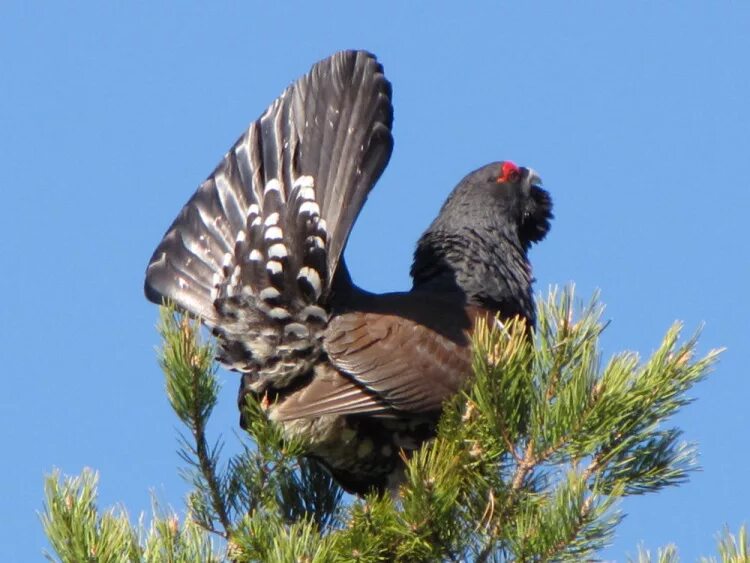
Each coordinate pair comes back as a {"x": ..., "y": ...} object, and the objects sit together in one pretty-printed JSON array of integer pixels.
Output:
[{"x": 635, "y": 114}]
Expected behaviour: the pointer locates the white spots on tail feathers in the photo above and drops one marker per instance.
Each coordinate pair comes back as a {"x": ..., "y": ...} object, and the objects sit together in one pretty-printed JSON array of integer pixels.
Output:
[
  {"x": 284, "y": 320},
  {"x": 279, "y": 313},
  {"x": 269, "y": 293},
  {"x": 315, "y": 242},
  {"x": 314, "y": 312},
  {"x": 298, "y": 330},
  {"x": 312, "y": 277},
  {"x": 234, "y": 282},
  {"x": 302, "y": 182},
  {"x": 304, "y": 189},
  {"x": 274, "y": 267},
  {"x": 309, "y": 208},
  {"x": 277, "y": 250},
  {"x": 273, "y": 233},
  {"x": 273, "y": 185},
  {"x": 306, "y": 194}
]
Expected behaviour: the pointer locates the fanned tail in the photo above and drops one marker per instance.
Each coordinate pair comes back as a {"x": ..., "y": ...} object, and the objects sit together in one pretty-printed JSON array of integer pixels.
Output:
[{"x": 254, "y": 251}]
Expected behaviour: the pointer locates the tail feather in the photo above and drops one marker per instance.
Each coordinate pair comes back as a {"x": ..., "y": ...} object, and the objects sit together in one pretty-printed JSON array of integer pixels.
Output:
[
  {"x": 345, "y": 183},
  {"x": 255, "y": 250}
]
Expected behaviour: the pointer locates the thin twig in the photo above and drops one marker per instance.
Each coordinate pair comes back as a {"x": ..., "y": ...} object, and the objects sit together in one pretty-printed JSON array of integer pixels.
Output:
[
  {"x": 525, "y": 465},
  {"x": 205, "y": 463}
]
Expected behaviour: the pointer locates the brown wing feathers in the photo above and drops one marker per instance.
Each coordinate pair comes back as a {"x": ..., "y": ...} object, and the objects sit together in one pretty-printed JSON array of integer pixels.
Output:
[{"x": 387, "y": 364}]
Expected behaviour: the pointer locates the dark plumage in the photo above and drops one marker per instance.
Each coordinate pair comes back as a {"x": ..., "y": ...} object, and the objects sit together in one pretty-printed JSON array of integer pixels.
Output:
[{"x": 257, "y": 254}]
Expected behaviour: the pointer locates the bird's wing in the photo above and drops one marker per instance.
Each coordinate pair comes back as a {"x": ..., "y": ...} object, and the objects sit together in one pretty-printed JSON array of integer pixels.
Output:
[
  {"x": 254, "y": 251},
  {"x": 389, "y": 363}
]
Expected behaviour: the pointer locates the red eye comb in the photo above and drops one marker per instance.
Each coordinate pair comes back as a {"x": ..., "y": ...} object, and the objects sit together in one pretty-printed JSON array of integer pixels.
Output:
[{"x": 509, "y": 172}]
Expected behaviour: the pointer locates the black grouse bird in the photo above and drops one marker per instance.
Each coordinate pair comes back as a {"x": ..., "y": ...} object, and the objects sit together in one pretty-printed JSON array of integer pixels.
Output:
[{"x": 257, "y": 254}]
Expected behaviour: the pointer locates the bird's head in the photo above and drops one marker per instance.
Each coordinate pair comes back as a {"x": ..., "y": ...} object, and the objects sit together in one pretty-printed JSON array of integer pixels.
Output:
[
  {"x": 506, "y": 196},
  {"x": 479, "y": 240}
]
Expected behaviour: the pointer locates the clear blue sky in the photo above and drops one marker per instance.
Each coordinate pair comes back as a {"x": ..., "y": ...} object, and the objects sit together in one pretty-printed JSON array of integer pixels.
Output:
[{"x": 637, "y": 116}]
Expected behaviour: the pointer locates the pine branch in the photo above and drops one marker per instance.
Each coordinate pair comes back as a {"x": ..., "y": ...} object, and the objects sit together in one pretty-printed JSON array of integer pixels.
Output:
[
  {"x": 733, "y": 549},
  {"x": 529, "y": 462},
  {"x": 663, "y": 555},
  {"x": 568, "y": 423},
  {"x": 192, "y": 389},
  {"x": 74, "y": 527},
  {"x": 78, "y": 532}
]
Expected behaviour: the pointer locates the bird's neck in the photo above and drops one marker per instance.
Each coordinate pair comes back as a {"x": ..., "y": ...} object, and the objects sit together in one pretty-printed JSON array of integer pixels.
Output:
[{"x": 489, "y": 269}]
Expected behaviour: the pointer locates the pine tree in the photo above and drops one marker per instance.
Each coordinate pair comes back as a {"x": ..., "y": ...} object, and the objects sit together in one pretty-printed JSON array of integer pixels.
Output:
[{"x": 529, "y": 463}]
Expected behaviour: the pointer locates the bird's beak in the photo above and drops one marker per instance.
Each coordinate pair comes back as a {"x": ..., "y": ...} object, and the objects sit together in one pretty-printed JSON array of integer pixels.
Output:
[{"x": 534, "y": 178}]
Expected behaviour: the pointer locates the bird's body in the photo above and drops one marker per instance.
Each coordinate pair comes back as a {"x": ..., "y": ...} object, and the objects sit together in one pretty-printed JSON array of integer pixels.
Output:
[{"x": 257, "y": 254}]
